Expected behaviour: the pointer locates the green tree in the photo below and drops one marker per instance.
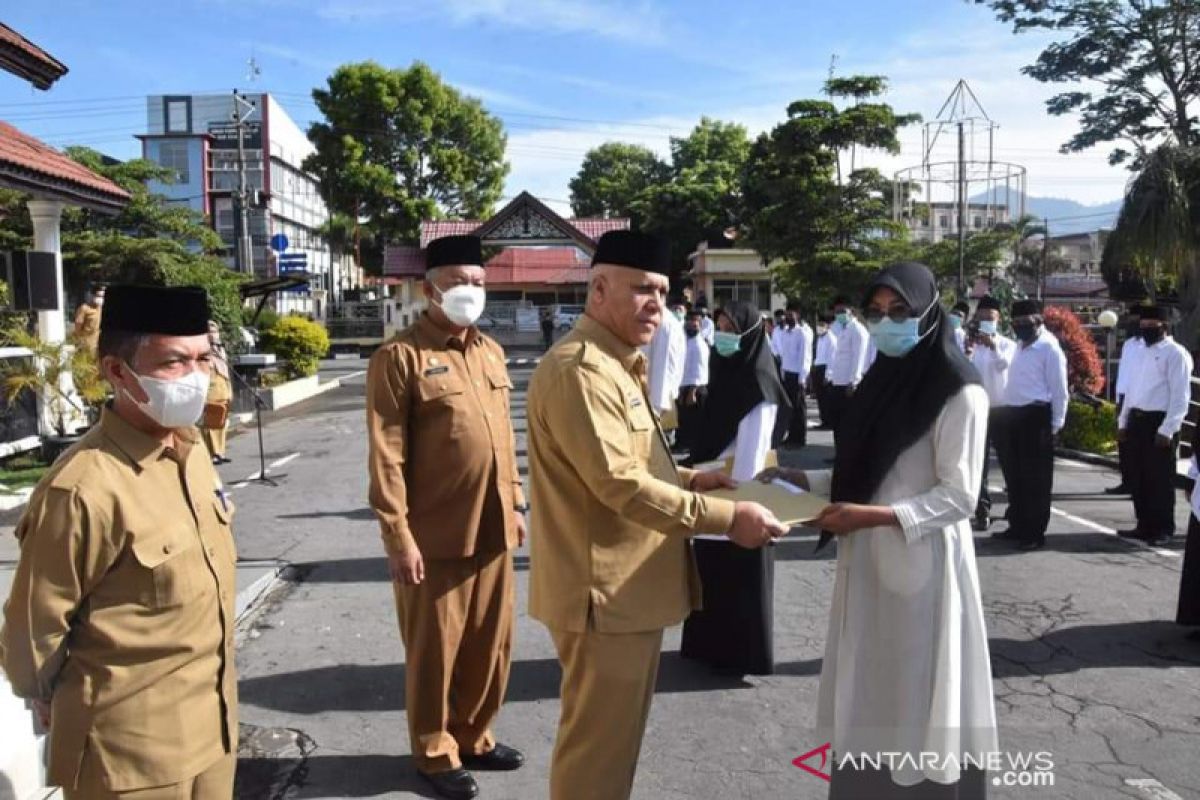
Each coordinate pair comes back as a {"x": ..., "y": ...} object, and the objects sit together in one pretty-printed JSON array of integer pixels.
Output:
[
  {"x": 827, "y": 232},
  {"x": 398, "y": 146},
  {"x": 1141, "y": 56},
  {"x": 613, "y": 177}
]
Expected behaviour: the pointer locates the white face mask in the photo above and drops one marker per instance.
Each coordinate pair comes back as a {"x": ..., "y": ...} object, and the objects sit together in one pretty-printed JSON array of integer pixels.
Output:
[
  {"x": 172, "y": 404},
  {"x": 463, "y": 304}
]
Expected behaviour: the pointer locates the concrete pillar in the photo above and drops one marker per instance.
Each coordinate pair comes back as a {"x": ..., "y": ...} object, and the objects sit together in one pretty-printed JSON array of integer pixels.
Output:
[
  {"x": 52, "y": 325},
  {"x": 46, "y": 216}
]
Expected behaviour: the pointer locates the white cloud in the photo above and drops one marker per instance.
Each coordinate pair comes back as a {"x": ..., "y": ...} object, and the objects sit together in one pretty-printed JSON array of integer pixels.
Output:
[
  {"x": 498, "y": 98},
  {"x": 634, "y": 22}
]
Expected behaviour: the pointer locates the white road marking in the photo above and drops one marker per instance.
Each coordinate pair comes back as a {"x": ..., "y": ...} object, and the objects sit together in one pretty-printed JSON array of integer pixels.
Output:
[
  {"x": 352, "y": 375},
  {"x": 279, "y": 462},
  {"x": 1098, "y": 528},
  {"x": 1152, "y": 789}
]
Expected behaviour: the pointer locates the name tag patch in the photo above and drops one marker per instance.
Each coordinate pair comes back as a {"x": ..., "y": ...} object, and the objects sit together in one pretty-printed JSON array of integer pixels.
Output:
[
  {"x": 635, "y": 401},
  {"x": 436, "y": 371}
]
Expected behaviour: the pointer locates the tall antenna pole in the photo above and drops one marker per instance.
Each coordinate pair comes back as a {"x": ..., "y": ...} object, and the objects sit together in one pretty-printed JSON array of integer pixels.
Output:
[
  {"x": 962, "y": 213},
  {"x": 244, "y": 251}
]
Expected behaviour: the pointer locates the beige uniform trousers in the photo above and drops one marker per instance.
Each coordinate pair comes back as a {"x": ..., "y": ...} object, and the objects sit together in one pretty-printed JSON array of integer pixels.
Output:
[
  {"x": 215, "y": 783},
  {"x": 607, "y": 684},
  {"x": 457, "y": 631}
]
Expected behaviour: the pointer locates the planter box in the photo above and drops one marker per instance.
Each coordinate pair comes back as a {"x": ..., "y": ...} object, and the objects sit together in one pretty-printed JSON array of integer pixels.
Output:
[{"x": 292, "y": 392}]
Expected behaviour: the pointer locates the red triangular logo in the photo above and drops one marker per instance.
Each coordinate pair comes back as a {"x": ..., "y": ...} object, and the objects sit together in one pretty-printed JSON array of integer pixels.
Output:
[{"x": 823, "y": 752}]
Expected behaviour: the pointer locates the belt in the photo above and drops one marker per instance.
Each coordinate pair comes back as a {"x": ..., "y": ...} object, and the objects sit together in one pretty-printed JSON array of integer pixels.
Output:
[{"x": 1141, "y": 412}]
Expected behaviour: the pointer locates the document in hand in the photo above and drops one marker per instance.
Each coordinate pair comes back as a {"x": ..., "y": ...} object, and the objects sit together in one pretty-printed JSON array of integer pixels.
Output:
[{"x": 788, "y": 502}]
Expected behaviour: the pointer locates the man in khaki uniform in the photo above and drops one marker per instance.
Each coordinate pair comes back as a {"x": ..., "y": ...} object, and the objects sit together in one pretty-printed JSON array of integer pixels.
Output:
[
  {"x": 87, "y": 319},
  {"x": 119, "y": 626},
  {"x": 445, "y": 486},
  {"x": 611, "y": 565}
]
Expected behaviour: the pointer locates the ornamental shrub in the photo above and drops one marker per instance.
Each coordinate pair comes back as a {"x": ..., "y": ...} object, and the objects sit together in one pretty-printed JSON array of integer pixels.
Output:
[
  {"x": 299, "y": 343},
  {"x": 1090, "y": 427},
  {"x": 1085, "y": 372}
]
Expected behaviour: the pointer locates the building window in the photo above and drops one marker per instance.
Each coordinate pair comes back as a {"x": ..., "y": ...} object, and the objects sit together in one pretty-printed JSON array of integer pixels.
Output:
[
  {"x": 943, "y": 221},
  {"x": 177, "y": 114},
  {"x": 756, "y": 292},
  {"x": 977, "y": 221},
  {"x": 173, "y": 155}
]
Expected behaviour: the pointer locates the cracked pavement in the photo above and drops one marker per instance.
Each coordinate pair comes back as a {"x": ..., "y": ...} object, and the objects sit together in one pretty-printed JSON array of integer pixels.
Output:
[{"x": 1088, "y": 663}]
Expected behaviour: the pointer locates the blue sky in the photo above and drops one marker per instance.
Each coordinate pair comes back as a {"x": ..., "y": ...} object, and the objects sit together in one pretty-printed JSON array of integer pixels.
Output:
[{"x": 564, "y": 75}]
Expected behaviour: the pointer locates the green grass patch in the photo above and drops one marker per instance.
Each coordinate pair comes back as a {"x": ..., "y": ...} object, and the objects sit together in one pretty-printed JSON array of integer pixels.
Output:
[{"x": 21, "y": 472}]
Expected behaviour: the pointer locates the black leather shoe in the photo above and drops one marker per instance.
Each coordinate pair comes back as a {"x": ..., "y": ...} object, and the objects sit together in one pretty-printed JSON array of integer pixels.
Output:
[
  {"x": 1132, "y": 533},
  {"x": 981, "y": 523},
  {"x": 1007, "y": 533},
  {"x": 1029, "y": 547},
  {"x": 1119, "y": 489},
  {"x": 500, "y": 758},
  {"x": 455, "y": 784},
  {"x": 1161, "y": 540}
]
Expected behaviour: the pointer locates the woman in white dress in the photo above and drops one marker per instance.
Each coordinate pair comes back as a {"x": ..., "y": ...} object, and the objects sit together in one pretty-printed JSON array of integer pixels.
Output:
[
  {"x": 732, "y": 632},
  {"x": 906, "y": 668}
]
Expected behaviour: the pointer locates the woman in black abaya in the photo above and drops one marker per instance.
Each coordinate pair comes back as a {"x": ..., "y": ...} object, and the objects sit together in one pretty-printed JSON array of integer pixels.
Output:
[{"x": 732, "y": 632}]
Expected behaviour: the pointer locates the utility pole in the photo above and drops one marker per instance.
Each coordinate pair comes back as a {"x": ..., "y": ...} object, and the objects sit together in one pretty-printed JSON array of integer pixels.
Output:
[
  {"x": 243, "y": 247},
  {"x": 1045, "y": 256},
  {"x": 962, "y": 213}
]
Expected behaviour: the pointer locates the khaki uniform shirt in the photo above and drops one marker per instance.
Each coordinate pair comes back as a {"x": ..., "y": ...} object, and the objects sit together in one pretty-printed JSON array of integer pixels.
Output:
[
  {"x": 122, "y": 609},
  {"x": 442, "y": 456},
  {"x": 609, "y": 515},
  {"x": 87, "y": 325}
]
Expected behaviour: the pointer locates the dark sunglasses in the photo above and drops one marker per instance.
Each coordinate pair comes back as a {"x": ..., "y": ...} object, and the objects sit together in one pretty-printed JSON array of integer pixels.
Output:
[{"x": 897, "y": 313}]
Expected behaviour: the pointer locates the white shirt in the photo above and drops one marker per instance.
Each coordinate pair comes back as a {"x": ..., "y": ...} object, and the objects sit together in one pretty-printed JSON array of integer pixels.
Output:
[
  {"x": 806, "y": 350},
  {"x": 750, "y": 447},
  {"x": 826, "y": 344},
  {"x": 708, "y": 330},
  {"x": 1162, "y": 382},
  {"x": 795, "y": 343},
  {"x": 993, "y": 366},
  {"x": 850, "y": 355},
  {"x": 960, "y": 338},
  {"x": 695, "y": 363},
  {"x": 1038, "y": 374},
  {"x": 665, "y": 355},
  {"x": 1127, "y": 366},
  {"x": 906, "y": 664},
  {"x": 778, "y": 338}
]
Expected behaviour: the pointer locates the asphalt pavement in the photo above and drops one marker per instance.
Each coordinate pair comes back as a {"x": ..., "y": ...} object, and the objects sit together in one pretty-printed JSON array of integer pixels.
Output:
[{"x": 1090, "y": 670}]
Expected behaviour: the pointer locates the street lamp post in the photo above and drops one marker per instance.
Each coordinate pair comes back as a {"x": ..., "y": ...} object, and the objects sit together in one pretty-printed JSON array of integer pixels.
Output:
[{"x": 1108, "y": 320}]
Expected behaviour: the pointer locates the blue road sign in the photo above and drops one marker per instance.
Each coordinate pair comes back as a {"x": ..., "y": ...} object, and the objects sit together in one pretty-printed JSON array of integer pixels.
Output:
[
  {"x": 293, "y": 262},
  {"x": 279, "y": 242}
]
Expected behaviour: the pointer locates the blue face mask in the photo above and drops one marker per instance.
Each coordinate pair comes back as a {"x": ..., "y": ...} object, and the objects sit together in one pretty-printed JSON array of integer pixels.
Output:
[
  {"x": 955, "y": 321},
  {"x": 843, "y": 317},
  {"x": 727, "y": 344},
  {"x": 987, "y": 327},
  {"x": 897, "y": 339}
]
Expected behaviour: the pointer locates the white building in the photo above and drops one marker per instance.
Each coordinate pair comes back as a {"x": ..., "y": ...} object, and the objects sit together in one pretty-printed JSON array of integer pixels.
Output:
[
  {"x": 195, "y": 136},
  {"x": 932, "y": 222},
  {"x": 1080, "y": 252},
  {"x": 720, "y": 274}
]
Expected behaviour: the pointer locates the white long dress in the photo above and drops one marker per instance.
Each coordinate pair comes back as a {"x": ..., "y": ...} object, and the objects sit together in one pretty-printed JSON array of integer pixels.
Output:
[{"x": 906, "y": 664}]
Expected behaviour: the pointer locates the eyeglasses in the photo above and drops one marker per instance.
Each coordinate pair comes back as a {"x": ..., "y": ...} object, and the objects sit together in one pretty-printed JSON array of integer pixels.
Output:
[{"x": 898, "y": 313}]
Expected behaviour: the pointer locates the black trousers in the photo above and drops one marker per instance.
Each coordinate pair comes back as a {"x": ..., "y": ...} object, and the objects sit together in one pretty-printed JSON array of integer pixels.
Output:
[
  {"x": 1122, "y": 450},
  {"x": 838, "y": 397},
  {"x": 1151, "y": 474},
  {"x": 689, "y": 417},
  {"x": 1026, "y": 448},
  {"x": 797, "y": 433},
  {"x": 733, "y": 630},
  {"x": 822, "y": 393},
  {"x": 1188, "y": 612},
  {"x": 984, "y": 506},
  {"x": 872, "y": 784}
]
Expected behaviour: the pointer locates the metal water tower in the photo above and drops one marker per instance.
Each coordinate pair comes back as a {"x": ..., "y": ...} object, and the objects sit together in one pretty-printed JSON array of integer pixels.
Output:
[{"x": 948, "y": 183}]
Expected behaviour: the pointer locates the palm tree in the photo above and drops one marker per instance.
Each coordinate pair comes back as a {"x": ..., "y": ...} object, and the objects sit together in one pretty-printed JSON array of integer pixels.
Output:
[{"x": 1156, "y": 240}]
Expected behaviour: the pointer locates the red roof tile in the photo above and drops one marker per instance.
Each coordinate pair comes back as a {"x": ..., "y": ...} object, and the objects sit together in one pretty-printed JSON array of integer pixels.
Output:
[
  {"x": 548, "y": 265},
  {"x": 591, "y": 228},
  {"x": 403, "y": 261},
  {"x": 31, "y": 165},
  {"x": 26, "y": 60}
]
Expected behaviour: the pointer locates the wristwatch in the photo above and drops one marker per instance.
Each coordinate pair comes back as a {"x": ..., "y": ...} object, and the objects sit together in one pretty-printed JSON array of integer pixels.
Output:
[{"x": 522, "y": 509}]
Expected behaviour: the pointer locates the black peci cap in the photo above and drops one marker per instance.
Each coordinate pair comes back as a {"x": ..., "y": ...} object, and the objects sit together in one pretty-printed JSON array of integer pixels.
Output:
[
  {"x": 635, "y": 250},
  {"x": 453, "y": 251},
  {"x": 165, "y": 310}
]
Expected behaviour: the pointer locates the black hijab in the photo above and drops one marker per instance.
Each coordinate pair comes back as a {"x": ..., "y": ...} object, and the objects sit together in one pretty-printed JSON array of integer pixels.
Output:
[
  {"x": 899, "y": 398},
  {"x": 737, "y": 383}
]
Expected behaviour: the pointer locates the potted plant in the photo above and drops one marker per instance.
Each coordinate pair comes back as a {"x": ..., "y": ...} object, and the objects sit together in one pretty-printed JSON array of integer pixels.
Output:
[{"x": 43, "y": 373}]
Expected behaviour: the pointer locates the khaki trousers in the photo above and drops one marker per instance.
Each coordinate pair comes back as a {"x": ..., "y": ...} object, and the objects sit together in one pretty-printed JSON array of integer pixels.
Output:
[
  {"x": 215, "y": 439},
  {"x": 607, "y": 684},
  {"x": 215, "y": 783},
  {"x": 457, "y": 631}
]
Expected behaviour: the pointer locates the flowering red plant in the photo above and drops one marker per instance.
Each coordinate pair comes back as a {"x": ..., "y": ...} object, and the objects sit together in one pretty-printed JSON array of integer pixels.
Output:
[{"x": 1085, "y": 371}]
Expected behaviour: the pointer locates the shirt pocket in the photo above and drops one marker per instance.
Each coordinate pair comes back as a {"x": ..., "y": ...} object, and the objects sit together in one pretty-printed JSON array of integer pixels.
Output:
[
  {"x": 442, "y": 403},
  {"x": 641, "y": 427},
  {"x": 170, "y": 564}
]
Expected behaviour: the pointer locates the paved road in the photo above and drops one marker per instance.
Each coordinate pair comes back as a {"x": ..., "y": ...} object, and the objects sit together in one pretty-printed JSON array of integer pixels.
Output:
[{"x": 1087, "y": 664}]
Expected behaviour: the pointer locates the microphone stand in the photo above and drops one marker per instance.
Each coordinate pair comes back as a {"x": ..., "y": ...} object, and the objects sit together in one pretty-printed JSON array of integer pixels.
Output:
[{"x": 259, "y": 404}]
